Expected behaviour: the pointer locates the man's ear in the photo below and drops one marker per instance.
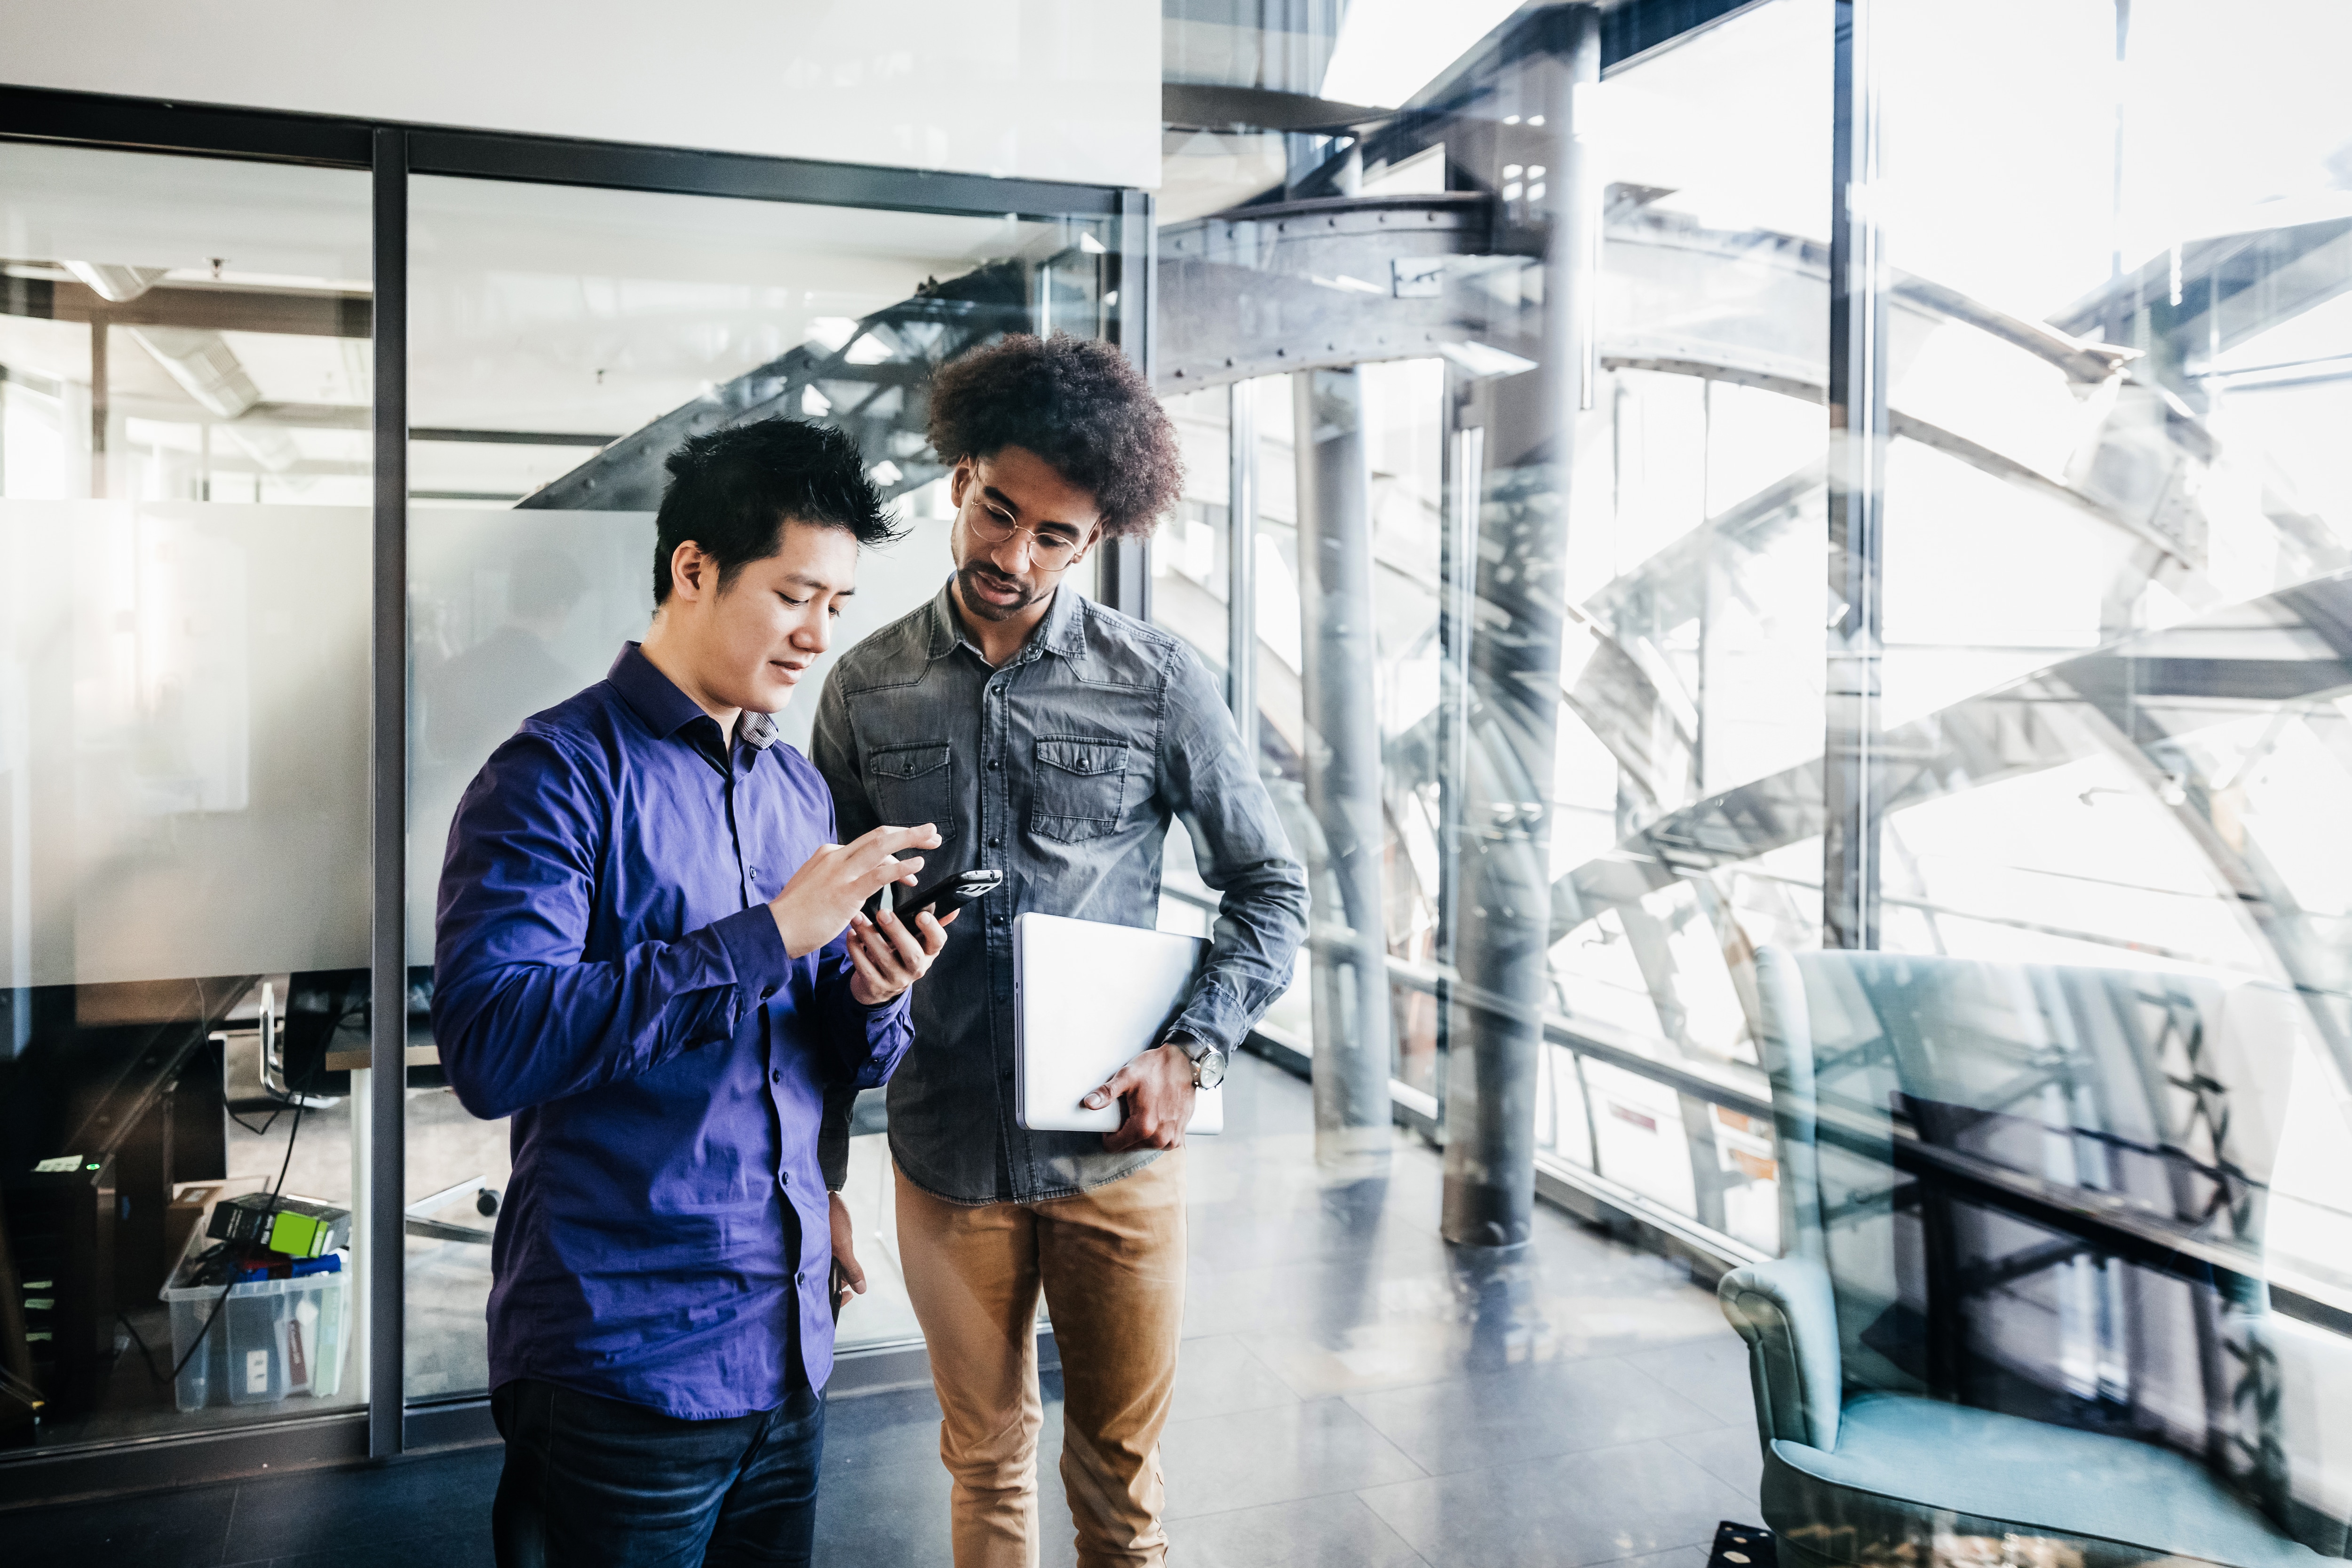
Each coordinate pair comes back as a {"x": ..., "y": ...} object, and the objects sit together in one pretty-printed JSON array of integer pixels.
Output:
[
  {"x": 960, "y": 479},
  {"x": 689, "y": 571},
  {"x": 1093, "y": 536}
]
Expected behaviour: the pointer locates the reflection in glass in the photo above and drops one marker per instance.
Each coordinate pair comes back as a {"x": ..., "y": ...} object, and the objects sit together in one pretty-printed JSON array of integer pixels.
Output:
[
  {"x": 564, "y": 342},
  {"x": 184, "y": 618}
]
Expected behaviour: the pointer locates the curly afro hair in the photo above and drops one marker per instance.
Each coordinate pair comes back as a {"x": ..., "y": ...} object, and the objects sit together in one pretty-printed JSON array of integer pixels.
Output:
[{"x": 1080, "y": 405}]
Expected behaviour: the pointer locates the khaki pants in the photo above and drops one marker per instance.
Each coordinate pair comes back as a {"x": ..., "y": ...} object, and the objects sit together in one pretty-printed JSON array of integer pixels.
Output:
[{"x": 1111, "y": 1264}]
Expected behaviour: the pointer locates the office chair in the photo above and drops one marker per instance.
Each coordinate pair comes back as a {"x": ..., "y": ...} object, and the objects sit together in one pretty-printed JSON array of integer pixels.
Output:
[{"x": 2020, "y": 1317}]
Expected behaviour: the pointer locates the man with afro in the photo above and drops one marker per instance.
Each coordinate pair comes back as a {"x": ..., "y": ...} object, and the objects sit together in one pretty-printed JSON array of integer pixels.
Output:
[{"x": 1056, "y": 740}]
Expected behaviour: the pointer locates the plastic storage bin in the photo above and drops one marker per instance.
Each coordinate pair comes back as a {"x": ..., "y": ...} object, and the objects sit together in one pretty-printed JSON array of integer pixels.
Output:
[{"x": 272, "y": 1338}]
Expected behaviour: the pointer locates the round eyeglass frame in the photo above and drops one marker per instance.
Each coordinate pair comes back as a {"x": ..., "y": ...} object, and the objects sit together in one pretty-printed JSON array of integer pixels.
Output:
[{"x": 1001, "y": 529}]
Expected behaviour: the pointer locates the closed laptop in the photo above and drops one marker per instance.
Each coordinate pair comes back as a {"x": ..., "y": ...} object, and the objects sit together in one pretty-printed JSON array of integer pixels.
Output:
[{"x": 1088, "y": 999}]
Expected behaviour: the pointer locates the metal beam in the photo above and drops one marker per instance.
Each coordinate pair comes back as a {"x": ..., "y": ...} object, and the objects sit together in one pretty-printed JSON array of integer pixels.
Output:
[{"x": 306, "y": 313}]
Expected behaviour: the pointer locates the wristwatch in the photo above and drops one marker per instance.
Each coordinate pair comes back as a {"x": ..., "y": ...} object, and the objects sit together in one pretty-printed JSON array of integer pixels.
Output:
[{"x": 1208, "y": 1062}]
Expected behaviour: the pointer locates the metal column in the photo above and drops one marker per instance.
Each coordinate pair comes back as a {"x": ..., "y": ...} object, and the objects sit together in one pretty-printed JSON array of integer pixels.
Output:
[
  {"x": 388, "y": 806},
  {"x": 1241, "y": 577},
  {"x": 1352, "y": 1050},
  {"x": 1857, "y": 400},
  {"x": 1503, "y": 949},
  {"x": 1465, "y": 475}
]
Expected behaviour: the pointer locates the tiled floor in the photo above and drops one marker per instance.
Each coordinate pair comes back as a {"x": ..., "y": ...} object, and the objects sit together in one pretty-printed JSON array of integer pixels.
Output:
[{"x": 1347, "y": 1396}]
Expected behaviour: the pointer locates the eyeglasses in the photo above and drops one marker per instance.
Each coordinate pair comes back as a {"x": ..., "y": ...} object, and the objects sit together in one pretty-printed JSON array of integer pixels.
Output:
[{"x": 996, "y": 526}]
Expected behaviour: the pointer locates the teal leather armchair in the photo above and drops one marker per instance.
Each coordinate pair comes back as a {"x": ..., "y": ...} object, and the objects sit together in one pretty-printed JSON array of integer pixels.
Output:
[{"x": 1937, "y": 1382}]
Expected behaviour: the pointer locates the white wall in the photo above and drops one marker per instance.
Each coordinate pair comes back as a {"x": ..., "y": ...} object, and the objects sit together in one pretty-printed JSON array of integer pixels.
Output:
[{"x": 1050, "y": 90}]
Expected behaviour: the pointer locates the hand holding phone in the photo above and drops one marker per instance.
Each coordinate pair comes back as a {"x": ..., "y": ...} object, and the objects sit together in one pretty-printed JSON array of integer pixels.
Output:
[
  {"x": 942, "y": 897},
  {"x": 891, "y": 944}
]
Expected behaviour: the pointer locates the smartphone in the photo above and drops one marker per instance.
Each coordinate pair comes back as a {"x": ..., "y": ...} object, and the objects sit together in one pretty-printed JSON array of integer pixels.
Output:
[
  {"x": 840, "y": 1285},
  {"x": 942, "y": 898}
]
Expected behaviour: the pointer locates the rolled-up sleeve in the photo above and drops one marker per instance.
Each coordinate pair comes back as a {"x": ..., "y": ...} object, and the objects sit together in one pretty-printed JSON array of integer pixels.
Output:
[
  {"x": 1212, "y": 787},
  {"x": 519, "y": 1017}
]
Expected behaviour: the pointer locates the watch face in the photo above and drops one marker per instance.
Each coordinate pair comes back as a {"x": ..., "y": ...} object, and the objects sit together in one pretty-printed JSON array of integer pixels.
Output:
[{"x": 1210, "y": 1069}]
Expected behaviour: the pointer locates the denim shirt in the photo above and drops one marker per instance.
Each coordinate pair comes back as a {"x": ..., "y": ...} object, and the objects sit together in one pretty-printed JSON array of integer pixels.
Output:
[{"x": 1063, "y": 768}]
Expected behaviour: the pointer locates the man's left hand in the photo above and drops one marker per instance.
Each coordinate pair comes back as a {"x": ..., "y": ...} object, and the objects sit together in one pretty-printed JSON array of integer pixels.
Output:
[
  {"x": 888, "y": 956},
  {"x": 1157, "y": 1088}
]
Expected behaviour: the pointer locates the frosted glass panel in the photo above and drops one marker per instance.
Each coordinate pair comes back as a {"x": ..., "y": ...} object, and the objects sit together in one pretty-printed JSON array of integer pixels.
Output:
[
  {"x": 186, "y": 562},
  {"x": 189, "y": 682},
  {"x": 508, "y": 612}
]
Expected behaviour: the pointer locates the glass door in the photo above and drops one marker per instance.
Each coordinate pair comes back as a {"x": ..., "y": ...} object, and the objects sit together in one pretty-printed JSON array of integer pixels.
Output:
[{"x": 563, "y": 343}]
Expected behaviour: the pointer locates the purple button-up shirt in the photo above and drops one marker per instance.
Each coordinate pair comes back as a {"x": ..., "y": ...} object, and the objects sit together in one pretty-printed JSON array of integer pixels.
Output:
[{"x": 605, "y": 972}]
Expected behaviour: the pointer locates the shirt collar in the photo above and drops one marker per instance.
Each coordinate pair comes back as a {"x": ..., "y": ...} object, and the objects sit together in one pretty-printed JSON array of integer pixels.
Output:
[
  {"x": 655, "y": 698},
  {"x": 1062, "y": 631}
]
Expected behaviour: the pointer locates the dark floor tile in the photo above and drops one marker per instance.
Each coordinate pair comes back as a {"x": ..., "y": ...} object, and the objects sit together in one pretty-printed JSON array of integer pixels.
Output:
[
  {"x": 1675, "y": 1557},
  {"x": 1573, "y": 1510},
  {"x": 1218, "y": 1375},
  {"x": 897, "y": 1516},
  {"x": 165, "y": 1529},
  {"x": 1336, "y": 1531},
  {"x": 877, "y": 1431},
  {"x": 1711, "y": 1372},
  {"x": 1733, "y": 1456},
  {"x": 1226, "y": 1462},
  {"x": 454, "y": 1549},
  {"x": 1528, "y": 1413},
  {"x": 321, "y": 1511},
  {"x": 885, "y": 1517}
]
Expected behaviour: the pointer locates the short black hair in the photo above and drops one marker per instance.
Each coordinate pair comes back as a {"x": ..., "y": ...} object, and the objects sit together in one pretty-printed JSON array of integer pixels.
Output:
[
  {"x": 732, "y": 491},
  {"x": 1079, "y": 404}
]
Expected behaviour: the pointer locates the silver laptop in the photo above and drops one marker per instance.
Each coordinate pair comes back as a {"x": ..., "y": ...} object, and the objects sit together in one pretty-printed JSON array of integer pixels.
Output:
[{"x": 1088, "y": 997}]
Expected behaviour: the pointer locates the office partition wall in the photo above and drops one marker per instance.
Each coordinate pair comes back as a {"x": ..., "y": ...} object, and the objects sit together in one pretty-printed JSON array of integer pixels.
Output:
[
  {"x": 185, "y": 483},
  {"x": 328, "y": 452},
  {"x": 561, "y": 342}
]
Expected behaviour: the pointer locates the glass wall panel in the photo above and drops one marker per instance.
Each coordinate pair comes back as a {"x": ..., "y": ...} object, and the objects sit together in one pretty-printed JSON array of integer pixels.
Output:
[
  {"x": 1279, "y": 656},
  {"x": 1191, "y": 555},
  {"x": 1692, "y": 679},
  {"x": 1588, "y": 477},
  {"x": 2112, "y": 677},
  {"x": 183, "y": 800},
  {"x": 563, "y": 343}
]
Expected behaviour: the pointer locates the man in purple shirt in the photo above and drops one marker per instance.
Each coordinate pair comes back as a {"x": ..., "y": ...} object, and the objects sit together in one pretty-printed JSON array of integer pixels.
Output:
[{"x": 650, "y": 955}]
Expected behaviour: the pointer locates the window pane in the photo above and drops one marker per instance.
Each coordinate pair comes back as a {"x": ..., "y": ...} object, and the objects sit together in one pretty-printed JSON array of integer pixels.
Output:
[
  {"x": 184, "y": 802},
  {"x": 1192, "y": 554},
  {"x": 564, "y": 343},
  {"x": 2115, "y": 569}
]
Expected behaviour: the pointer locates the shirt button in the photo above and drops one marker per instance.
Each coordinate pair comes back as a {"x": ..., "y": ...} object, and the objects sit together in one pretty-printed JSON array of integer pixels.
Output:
[
  {"x": 784, "y": 1178},
  {"x": 996, "y": 843},
  {"x": 775, "y": 1078},
  {"x": 767, "y": 992},
  {"x": 995, "y": 762}
]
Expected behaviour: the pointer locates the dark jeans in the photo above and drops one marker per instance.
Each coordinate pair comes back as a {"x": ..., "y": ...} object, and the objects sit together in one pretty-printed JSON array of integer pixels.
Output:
[{"x": 591, "y": 1481}]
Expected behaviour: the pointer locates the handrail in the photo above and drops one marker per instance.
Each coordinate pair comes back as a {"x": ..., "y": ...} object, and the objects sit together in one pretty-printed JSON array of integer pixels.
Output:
[
  {"x": 1443, "y": 981},
  {"x": 2116, "y": 1227}
]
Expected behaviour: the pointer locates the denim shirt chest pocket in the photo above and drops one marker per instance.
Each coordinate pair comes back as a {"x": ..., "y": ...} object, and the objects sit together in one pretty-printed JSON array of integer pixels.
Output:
[
  {"x": 1078, "y": 788},
  {"x": 913, "y": 784}
]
